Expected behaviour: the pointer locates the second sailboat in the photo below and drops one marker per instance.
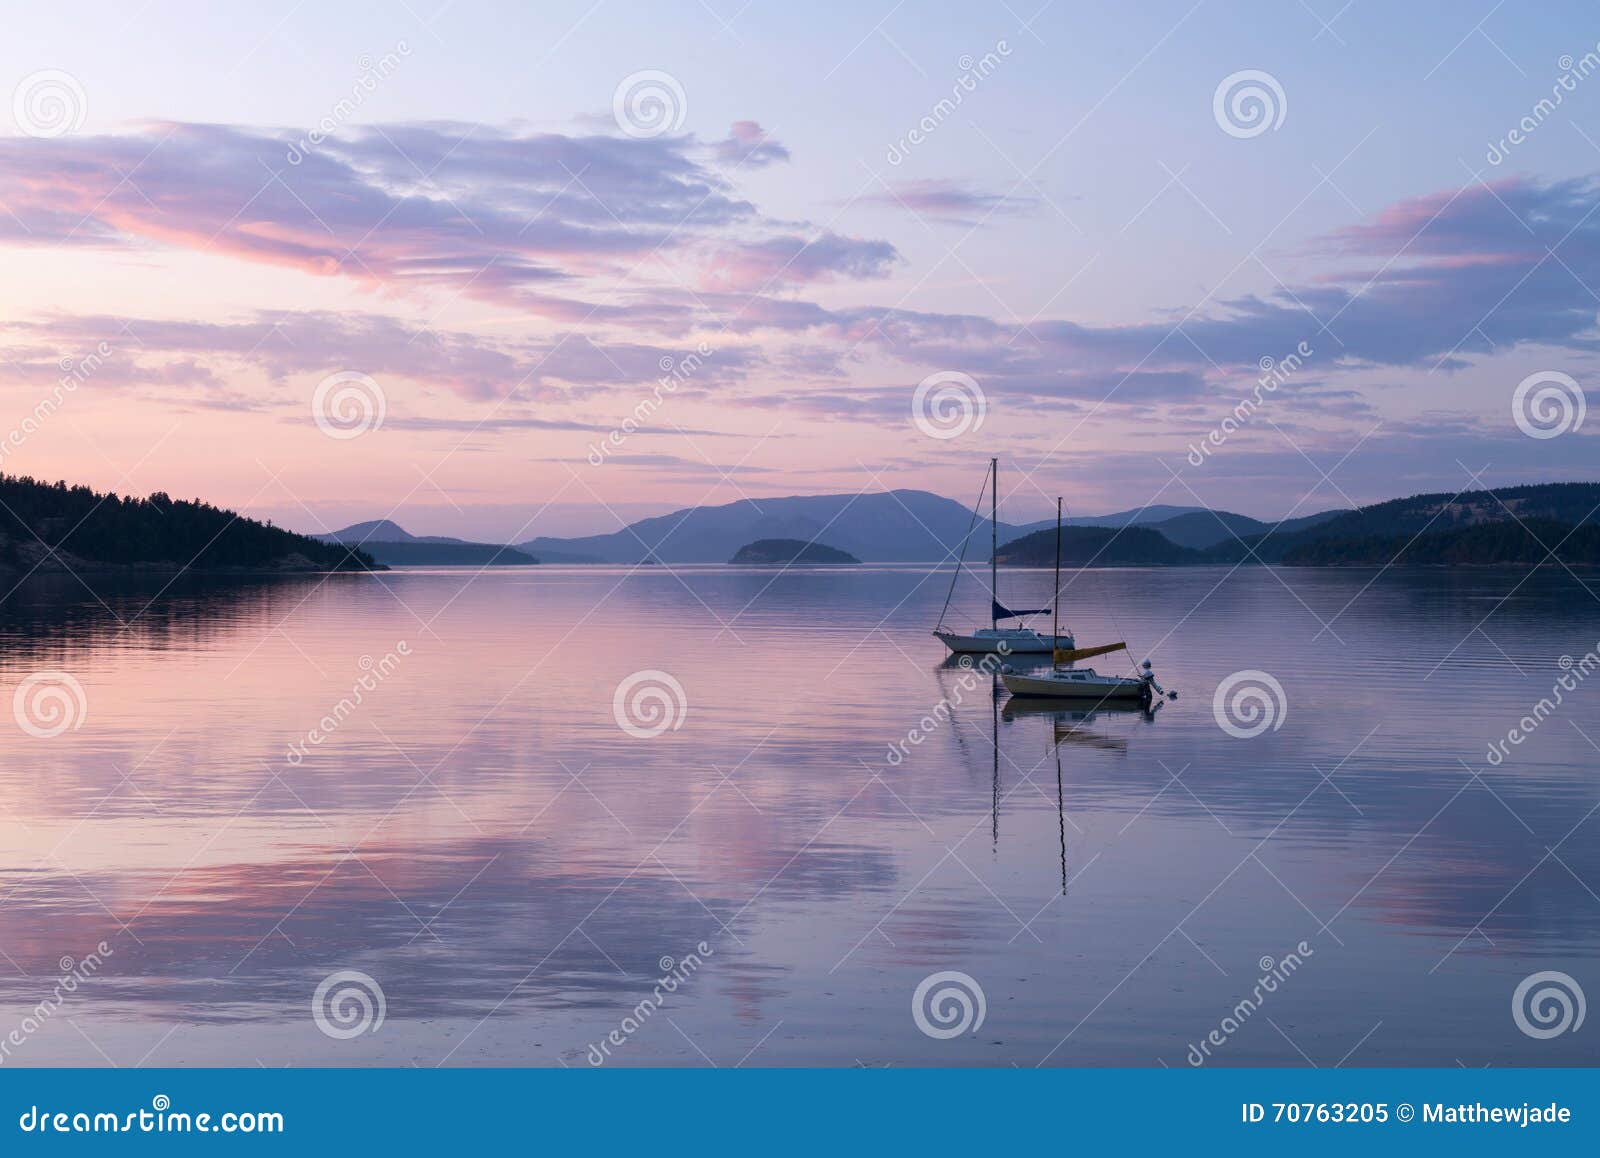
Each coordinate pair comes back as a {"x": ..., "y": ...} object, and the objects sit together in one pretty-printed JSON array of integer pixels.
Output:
[{"x": 995, "y": 639}]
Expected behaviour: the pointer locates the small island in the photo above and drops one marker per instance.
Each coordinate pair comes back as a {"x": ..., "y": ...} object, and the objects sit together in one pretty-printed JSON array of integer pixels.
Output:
[{"x": 766, "y": 551}]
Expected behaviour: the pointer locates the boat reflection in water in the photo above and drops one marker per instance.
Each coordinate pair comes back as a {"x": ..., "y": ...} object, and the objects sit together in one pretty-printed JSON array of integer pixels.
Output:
[
  {"x": 1069, "y": 724},
  {"x": 1073, "y": 725}
]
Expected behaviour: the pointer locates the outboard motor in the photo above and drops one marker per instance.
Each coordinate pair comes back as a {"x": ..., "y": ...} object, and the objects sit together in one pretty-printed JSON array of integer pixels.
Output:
[{"x": 1150, "y": 683}]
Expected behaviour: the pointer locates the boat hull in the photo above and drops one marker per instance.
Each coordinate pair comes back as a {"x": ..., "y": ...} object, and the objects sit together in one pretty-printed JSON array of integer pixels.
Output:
[
  {"x": 1003, "y": 641},
  {"x": 1082, "y": 686}
]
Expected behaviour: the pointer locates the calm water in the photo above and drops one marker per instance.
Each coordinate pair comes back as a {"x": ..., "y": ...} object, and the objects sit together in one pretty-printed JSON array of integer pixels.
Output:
[{"x": 483, "y": 840}]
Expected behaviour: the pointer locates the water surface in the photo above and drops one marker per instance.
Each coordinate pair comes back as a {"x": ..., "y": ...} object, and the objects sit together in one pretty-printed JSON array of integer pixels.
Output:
[{"x": 517, "y": 872}]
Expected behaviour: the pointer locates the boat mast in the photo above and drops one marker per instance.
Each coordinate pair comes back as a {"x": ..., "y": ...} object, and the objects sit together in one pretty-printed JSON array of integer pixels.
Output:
[
  {"x": 961, "y": 558},
  {"x": 1055, "y": 598},
  {"x": 994, "y": 540}
]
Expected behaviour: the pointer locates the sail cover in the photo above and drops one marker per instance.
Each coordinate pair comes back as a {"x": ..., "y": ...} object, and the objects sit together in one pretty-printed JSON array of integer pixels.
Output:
[
  {"x": 1074, "y": 654},
  {"x": 1003, "y": 612}
]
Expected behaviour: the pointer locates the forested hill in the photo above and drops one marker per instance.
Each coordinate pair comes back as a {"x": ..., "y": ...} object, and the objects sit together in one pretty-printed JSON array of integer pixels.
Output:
[
  {"x": 1096, "y": 547},
  {"x": 1528, "y": 544},
  {"x": 55, "y": 526},
  {"x": 1520, "y": 526},
  {"x": 1454, "y": 525}
]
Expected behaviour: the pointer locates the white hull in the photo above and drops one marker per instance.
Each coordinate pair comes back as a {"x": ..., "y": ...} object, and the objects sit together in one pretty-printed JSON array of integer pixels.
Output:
[
  {"x": 1075, "y": 684},
  {"x": 1004, "y": 641}
]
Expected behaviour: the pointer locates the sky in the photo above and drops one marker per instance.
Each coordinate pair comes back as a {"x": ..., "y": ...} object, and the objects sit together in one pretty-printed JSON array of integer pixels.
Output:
[{"x": 503, "y": 270}]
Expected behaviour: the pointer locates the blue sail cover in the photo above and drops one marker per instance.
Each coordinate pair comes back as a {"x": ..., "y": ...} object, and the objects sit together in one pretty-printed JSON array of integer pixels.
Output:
[{"x": 1003, "y": 612}]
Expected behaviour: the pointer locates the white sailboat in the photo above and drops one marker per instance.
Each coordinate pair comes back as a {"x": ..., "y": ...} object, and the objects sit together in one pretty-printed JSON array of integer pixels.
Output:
[
  {"x": 1081, "y": 683},
  {"x": 995, "y": 639}
]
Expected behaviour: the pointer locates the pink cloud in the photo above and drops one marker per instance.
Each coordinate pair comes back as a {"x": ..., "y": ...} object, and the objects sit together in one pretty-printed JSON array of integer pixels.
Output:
[
  {"x": 465, "y": 208},
  {"x": 575, "y": 230},
  {"x": 750, "y": 145},
  {"x": 149, "y": 351}
]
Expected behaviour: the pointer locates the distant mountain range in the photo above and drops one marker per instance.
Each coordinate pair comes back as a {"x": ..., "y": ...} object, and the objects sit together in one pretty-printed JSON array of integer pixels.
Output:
[
  {"x": 900, "y": 526},
  {"x": 911, "y": 526},
  {"x": 886, "y": 527},
  {"x": 1521, "y": 526},
  {"x": 394, "y": 546},
  {"x": 1201, "y": 529}
]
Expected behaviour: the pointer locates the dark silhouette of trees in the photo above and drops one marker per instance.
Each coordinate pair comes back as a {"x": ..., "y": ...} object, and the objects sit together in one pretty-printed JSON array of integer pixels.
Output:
[
  {"x": 1096, "y": 546},
  {"x": 1525, "y": 543},
  {"x": 155, "y": 531}
]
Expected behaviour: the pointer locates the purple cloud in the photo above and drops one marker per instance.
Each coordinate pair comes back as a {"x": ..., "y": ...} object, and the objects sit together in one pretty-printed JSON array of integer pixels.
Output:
[
  {"x": 749, "y": 144},
  {"x": 286, "y": 344},
  {"x": 761, "y": 265},
  {"x": 947, "y": 201},
  {"x": 462, "y": 207},
  {"x": 551, "y": 223},
  {"x": 1464, "y": 273}
]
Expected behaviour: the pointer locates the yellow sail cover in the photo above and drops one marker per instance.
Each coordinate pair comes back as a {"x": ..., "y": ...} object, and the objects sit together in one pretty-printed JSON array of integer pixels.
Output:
[{"x": 1071, "y": 655}]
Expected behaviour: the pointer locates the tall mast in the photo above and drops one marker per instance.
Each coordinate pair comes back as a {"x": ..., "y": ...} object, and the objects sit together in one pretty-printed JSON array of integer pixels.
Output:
[
  {"x": 994, "y": 539},
  {"x": 1055, "y": 598}
]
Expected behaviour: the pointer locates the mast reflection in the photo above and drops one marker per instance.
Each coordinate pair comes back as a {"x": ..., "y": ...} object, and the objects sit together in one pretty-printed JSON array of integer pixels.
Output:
[{"x": 1067, "y": 726}]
